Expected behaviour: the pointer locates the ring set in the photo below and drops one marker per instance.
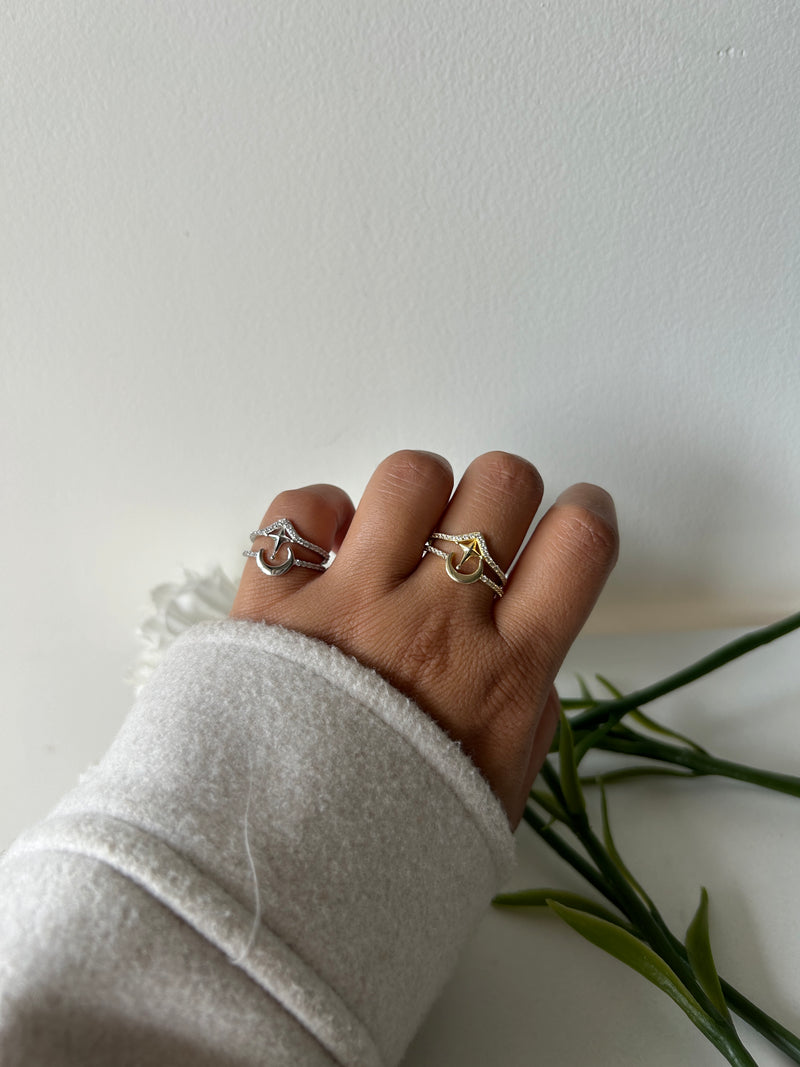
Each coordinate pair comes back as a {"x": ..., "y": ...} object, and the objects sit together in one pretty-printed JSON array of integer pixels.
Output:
[
  {"x": 474, "y": 553},
  {"x": 472, "y": 545},
  {"x": 283, "y": 533}
]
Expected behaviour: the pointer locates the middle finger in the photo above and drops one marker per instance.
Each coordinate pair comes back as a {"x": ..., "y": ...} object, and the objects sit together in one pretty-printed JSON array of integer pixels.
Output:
[
  {"x": 406, "y": 493},
  {"x": 498, "y": 497}
]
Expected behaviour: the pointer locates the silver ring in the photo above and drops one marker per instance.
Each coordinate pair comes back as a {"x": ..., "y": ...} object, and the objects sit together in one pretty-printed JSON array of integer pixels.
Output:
[
  {"x": 471, "y": 545},
  {"x": 283, "y": 533}
]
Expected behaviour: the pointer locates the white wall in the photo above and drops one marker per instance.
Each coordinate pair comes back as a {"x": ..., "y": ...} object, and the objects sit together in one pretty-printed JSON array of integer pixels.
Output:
[{"x": 251, "y": 245}]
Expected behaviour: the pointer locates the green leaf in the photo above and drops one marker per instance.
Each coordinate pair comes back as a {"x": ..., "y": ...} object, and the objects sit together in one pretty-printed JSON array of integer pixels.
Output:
[
  {"x": 540, "y": 898},
  {"x": 589, "y": 740},
  {"x": 584, "y": 688},
  {"x": 634, "y": 772},
  {"x": 571, "y": 786},
  {"x": 629, "y": 950},
  {"x": 698, "y": 948},
  {"x": 549, "y": 803},
  {"x": 644, "y": 720},
  {"x": 657, "y": 728},
  {"x": 616, "y": 859},
  {"x": 577, "y": 703}
]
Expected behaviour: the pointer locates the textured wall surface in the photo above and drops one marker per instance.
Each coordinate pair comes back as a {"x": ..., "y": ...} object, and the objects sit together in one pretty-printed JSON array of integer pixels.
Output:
[{"x": 246, "y": 246}]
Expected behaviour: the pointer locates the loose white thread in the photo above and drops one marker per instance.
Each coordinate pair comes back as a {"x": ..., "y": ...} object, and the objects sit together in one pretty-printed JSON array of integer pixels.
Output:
[{"x": 257, "y": 914}]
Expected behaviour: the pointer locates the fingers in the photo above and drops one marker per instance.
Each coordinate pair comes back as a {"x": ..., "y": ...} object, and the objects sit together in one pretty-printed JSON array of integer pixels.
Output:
[
  {"x": 498, "y": 497},
  {"x": 321, "y": 515},
  {"x": 402, "y": 501},
  {"x": 560, "y": 575},
  {"x": 406, "y": 501}
]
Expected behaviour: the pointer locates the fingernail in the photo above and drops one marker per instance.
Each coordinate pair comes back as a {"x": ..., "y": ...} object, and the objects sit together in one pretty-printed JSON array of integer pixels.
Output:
[{"x": 593, "y": 498}]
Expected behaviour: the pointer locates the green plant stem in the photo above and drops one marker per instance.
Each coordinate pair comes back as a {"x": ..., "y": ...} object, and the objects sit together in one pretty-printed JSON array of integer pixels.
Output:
[
  {"x": 626, "y": 773},
  {"x": 768, "y": 1027},
  {"x": 568, "y": 854},
  {"x": 716, "y": 1028},
  {"x": 699, "y": 763},
  {"x": 642, "y": 912},
  {"x": 650, "y": 925},
  {"x": 629, "y": 902},
  {"x": 548, "y": 773},
  {"x": 613, "y": 710},
  {"x": 596, "y": 726}
]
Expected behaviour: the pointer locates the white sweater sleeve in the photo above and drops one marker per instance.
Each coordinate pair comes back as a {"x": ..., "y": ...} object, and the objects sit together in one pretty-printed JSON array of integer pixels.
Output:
[{"x": 277, "y": 862}]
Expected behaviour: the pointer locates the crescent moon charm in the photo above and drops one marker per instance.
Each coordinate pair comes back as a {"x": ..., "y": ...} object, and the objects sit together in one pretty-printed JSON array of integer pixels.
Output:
[
  {"x": 457, "y": 576},
  {"x": 279, "y": 568},
  {"x": 471, "y": 544}
]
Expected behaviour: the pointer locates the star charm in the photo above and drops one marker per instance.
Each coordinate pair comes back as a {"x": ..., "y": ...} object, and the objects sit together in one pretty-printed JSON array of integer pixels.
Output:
[
  {"x": 469, "y": 548},
  {"x": 280, "y": 537}
]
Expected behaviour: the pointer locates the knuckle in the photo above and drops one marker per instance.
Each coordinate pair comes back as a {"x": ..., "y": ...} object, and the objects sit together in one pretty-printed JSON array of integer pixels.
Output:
[
  {"x": 285, "y": 501},
  {"x": 588, "y": 536},
  {"x": 411, "y": 469},
  {"x": 511, "y": 475}
]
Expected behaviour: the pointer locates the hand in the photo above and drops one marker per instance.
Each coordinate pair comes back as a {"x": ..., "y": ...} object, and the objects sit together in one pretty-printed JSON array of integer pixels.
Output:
[{"x": 482, "y": 666}]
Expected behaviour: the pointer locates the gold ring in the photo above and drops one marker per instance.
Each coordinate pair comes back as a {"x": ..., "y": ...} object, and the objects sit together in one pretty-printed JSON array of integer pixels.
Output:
[{"x": 472, "y": 545}]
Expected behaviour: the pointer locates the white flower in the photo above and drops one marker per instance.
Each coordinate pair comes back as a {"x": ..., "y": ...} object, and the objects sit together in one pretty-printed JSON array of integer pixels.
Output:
[{"x": 179, "y": 605}]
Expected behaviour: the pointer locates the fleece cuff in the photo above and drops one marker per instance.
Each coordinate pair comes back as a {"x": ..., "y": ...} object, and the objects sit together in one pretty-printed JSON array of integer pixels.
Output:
[{"x": 307, "y": 819}]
